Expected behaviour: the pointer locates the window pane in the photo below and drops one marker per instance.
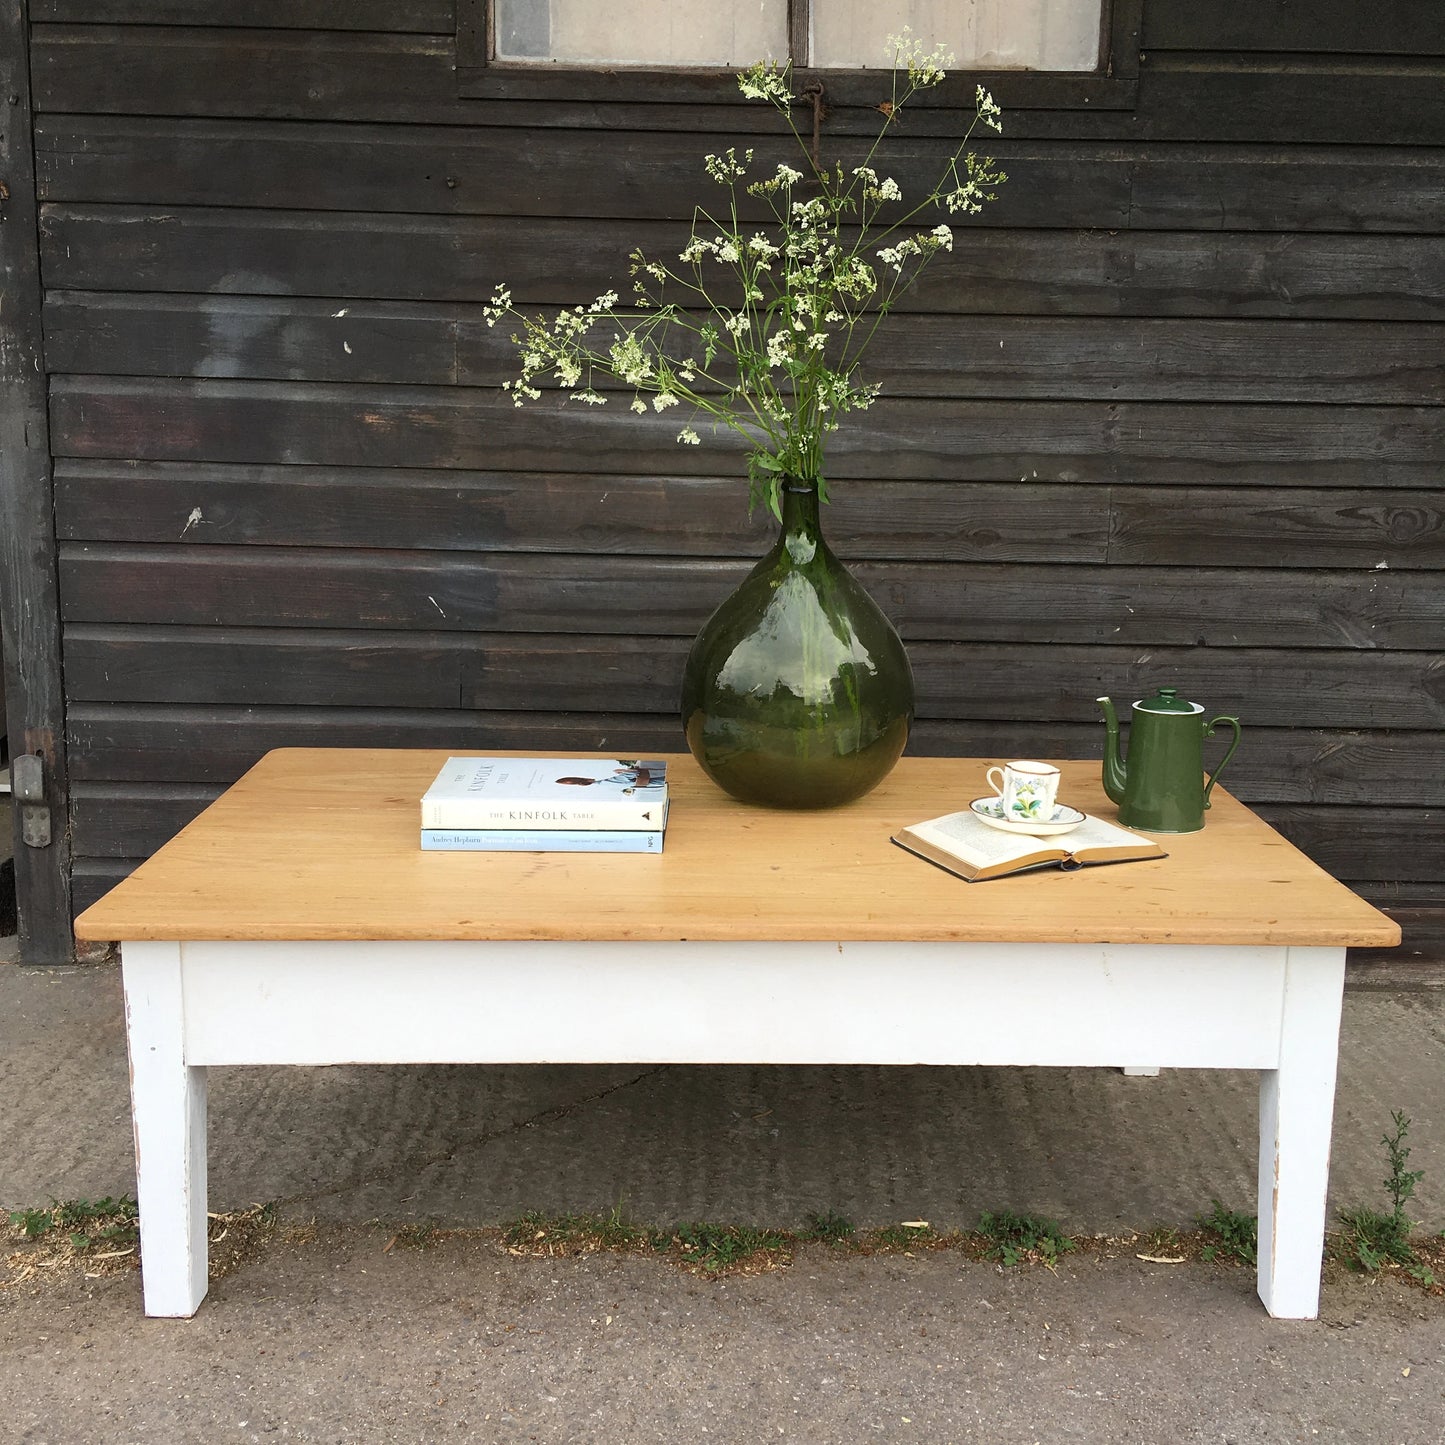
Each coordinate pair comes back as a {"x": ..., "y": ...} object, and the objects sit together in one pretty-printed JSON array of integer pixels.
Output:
[
  {"x": 642, "y": 32},
  {"x": 981, "y": 34}
]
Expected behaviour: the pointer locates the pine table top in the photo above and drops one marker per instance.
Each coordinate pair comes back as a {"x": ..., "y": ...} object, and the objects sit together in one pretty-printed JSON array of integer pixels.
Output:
[{"x": 323, "y": 843}]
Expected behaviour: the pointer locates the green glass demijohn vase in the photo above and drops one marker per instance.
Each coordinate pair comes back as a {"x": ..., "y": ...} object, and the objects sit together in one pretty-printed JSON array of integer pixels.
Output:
[{"x": 797, "y": 692}]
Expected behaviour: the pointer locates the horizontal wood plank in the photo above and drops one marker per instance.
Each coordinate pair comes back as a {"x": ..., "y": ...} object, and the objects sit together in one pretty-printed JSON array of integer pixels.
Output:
[
  {"x": 437, "y": 17},
  {"x": 1388, "y": 27},
  {"x": 449, "y": 258},
  {"x": 563, "y": 512},
  {"x": 619, "y": 595},
  {"x": 311, "y": 339},
  {"x": 122, "y": 820},
  {"x": 640, "y": 672},
  {"x": 216, "y": 744},
  {"x": 159, "y": 742},
  {"x": 1270, "y": 528},
  {"x": 206, "y": 505},
  {"x": 335, "y": 424},
  {"x": 1285, "y": 99},
  {"x": 501, "y": 171},
  {"x": 510, "y": 171}
]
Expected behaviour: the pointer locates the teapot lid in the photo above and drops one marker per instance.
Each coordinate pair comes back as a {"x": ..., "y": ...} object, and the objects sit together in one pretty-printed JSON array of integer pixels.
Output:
[{"x": 1167, "y": 699}]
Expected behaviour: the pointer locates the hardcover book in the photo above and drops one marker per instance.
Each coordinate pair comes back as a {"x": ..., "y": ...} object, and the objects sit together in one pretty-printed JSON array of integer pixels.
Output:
[
  {"x": 536, "y": 794},
  {"x": 974, "y": 851},
  {"x": 555, "y": 840}
]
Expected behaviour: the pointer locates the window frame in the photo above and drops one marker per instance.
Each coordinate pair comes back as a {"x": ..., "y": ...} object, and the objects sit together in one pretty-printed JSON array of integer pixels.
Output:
[{"x": 1113, "y": 86}]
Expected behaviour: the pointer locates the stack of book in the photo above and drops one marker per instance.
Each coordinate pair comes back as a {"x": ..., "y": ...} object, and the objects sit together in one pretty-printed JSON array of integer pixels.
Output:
[{"x": 551, "y": 805}]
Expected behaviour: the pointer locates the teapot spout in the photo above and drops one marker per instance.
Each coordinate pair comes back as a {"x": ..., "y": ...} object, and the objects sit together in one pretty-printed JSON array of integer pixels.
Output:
[{"x": 1114, "y": 771}]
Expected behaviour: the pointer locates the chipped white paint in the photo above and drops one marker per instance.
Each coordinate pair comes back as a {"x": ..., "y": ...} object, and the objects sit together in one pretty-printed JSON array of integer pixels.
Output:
[
  {"x": 194, "y": 520},
  {"x": 168, "y": 1106}
]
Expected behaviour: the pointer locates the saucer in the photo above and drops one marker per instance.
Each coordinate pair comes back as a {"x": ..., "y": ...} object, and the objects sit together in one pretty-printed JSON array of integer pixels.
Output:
[{"x": 990, "y": 811}]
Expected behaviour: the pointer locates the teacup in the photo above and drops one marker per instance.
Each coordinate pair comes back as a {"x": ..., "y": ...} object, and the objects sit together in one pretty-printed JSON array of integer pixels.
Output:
[{"x": 1026, "y": 789}]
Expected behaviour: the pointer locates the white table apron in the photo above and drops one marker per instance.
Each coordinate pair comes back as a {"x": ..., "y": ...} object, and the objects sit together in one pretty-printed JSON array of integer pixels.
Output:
[{"x": 193, "y": 1005}]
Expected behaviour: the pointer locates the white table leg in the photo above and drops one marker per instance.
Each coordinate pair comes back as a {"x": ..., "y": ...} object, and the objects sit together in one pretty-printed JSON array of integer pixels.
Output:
[
  {"x": 168, "y": 1109},
  {"x": 1296, "y": 1111}
]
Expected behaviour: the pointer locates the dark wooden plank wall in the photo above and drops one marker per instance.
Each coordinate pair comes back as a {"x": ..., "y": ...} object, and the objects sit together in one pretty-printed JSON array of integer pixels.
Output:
[{"x": 1171, "y": 414}]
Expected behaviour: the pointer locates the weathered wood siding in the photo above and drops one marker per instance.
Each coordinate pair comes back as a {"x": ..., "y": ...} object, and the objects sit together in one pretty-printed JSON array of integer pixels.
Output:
[{"x": 1171, "y": 413}]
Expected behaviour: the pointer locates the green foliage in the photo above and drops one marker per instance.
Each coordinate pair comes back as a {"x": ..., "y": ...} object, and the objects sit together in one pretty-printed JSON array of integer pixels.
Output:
[
  {"x": 713, "y": 1247},
  {"x": 34, "y": 1222},
  {"x": 599, "y": 1231},
  {"x": 85, "y": 1222},
  {"x": 831, "y": 1227},
  {"x": 1013, "y": 1237},
  {"x": 1235, "y": 1235},
  {"x": 1372, "y": 1239}
]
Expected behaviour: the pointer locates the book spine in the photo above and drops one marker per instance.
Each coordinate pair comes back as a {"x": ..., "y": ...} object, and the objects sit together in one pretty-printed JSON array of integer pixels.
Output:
[
  {"x": 617, "y": 816},
  {"x": 512, "y": 840}
]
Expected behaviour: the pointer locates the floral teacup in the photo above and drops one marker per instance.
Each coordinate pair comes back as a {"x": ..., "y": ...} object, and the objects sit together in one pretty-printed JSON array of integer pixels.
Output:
[{"x": 1027, "y": 789}]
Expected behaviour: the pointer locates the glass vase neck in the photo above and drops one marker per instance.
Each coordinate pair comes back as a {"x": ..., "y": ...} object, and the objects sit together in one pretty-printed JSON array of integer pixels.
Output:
[{"x": 801, "y": 529}]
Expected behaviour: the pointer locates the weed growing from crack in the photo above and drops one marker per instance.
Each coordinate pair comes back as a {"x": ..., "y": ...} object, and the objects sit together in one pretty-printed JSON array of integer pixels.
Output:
[
  {"x": 831, "y": 1228},
  {"x": 1373, "y": 1240},
  {"x": 1234, "y": 1236},
  {"x": 1012, "y": 1237},
  {"x": 717, "y": 1247},
  {"x": 85, "y": 1223}
]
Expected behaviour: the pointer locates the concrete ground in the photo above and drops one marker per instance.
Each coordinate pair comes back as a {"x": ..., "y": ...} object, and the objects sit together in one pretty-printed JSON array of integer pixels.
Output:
[{"x": 327, "y": 1334}]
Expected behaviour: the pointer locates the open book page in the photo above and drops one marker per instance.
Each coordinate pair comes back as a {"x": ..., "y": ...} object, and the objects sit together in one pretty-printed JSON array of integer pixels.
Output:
[
  {"x": 962, "y": 844},
  {"x": 962, "y": 835},
  {"x": 1096, "y": 841}
]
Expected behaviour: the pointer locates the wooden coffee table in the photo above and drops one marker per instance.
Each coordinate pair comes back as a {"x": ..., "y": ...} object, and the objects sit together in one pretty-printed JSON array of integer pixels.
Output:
[{"x": 297, "y": 921}]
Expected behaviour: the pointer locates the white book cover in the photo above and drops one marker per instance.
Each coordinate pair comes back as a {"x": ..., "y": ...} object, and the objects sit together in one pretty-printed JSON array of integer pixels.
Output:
[{"x": 545, "y": 793}]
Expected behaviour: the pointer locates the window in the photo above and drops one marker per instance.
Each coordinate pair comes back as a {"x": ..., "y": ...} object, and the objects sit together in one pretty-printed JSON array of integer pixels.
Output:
[
  {"x": 1030, "y": 53},
  {"x": 828, "y": 34}
]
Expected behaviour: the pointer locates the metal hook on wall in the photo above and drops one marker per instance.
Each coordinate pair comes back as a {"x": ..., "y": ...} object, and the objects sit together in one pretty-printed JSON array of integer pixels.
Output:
[{"x": 815, "y": 95}]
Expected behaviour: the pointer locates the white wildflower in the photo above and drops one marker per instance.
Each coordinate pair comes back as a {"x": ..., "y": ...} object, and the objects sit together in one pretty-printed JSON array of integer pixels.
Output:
[
  {"x": 501, "y": 304},
  {"x": 604, "y": 302},
  {"x": 925, "y": 67},
  {"x": 726, "y": 169},
  {"x": 639, "y": 406},
  {"x": 944, "y": 236},
  {"x": 590, "y": 397},
  {"x": 766, "y": 81},
  {"x": 663, "y": 400},
  {"x": 988, "y": 111},
  {"x": 689, "y": 437}
]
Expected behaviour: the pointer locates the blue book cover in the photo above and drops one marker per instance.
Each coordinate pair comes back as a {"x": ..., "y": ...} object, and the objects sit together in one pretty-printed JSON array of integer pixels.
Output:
[{"x": 556, "y": 840}]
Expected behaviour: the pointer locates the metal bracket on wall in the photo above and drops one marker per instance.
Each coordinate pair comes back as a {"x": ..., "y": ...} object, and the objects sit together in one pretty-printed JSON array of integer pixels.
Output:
[{"x": 27, "y": 779}]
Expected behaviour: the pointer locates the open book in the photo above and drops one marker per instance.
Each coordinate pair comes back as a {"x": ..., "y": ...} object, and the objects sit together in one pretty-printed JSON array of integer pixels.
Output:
[{"x": 973, "y": 850}]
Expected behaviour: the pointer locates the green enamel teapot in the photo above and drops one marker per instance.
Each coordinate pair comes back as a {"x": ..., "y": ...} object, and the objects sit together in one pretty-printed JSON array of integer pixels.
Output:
[{"x": 1162, "y": 788}]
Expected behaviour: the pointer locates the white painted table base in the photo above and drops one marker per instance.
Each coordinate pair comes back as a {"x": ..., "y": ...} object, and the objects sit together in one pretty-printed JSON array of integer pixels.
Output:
[{"x": 193, "y": 1005}]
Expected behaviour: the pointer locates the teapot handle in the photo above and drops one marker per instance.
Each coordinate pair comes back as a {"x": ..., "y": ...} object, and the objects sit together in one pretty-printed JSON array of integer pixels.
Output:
[{"x": 1209, "y": 732}]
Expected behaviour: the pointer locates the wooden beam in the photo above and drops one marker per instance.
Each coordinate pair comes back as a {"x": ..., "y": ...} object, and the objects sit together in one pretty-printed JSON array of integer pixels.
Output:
[{"x": 29, "y": 602}]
